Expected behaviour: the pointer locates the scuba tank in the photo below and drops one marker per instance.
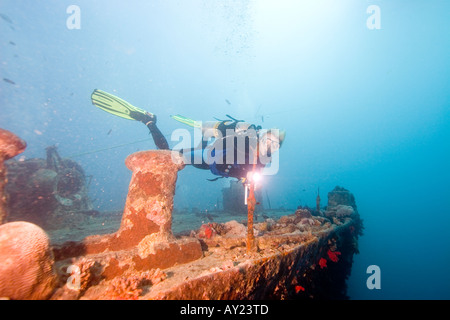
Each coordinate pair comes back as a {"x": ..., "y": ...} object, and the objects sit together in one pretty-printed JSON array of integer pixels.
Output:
[{"x": 218, "y": 129}]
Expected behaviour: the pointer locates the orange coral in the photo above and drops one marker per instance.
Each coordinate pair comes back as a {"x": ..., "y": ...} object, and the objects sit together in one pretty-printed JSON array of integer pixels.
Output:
[{"x": 124, "y": 288}]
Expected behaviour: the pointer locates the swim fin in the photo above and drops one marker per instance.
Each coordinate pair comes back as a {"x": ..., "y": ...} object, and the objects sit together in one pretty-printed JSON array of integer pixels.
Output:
[
  {"x": 118, "y": 106},
  {"x": 189, "y": 122}
]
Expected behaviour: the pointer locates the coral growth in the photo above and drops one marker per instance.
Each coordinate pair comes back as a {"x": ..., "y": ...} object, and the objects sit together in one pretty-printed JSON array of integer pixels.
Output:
[
  {"x": 124, "y": 288},
  {"x": 303, "y": 213},
  {"x": 333, "y": 255},
  {"x": 340, "y": 196},
  {"x": 235, "y": 229},
  {"x": 206, "y": 231},
  {"x": 83, "y": 271},
  {"x": 131, "y": 287},
  {"x": 10, "y": 146},
  {"x": 322, "y": 263},
  {"x": 344, "y": 211},
  {"x": 299, "y": 288},
  {"x": 341, "y": 203},
  {"x": 26, "y": 268}
]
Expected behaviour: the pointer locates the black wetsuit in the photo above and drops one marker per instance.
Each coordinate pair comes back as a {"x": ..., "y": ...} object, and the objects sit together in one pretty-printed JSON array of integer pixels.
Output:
[
  {"x": 150, "y": 121},
  {"x": 158, "y": 137}
]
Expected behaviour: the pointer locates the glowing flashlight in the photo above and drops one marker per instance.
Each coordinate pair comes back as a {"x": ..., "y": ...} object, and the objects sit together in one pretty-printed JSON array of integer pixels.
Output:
[{"x": 254, "y": 177}]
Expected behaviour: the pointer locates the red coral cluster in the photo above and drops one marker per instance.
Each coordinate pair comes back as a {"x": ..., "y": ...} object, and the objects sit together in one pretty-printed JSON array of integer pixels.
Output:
[
  {"x": 322, "y": 263},
  {"x": 333, "y": 255},
  {"x": 298, "y": 289},
  {"x": 206, "y": 231}
]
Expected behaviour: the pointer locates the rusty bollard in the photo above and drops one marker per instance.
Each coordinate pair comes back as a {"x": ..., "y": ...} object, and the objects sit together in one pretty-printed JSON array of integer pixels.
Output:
[
  {"x": 148, "y": 209},
  {"x": 10, "y": 146},
  {"x": 145, "y": 232}
]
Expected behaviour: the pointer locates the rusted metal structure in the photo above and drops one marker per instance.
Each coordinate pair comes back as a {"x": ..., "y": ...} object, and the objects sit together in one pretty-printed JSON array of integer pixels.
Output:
[{"x": 296, "y": 256}]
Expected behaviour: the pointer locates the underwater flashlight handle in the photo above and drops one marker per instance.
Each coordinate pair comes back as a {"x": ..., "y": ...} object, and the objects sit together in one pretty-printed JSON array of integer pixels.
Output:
[{"x": 246, "y": 193}]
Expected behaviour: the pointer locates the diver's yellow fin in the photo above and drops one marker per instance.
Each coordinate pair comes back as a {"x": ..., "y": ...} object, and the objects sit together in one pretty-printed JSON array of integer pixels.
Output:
[
  {"x": 116, "y": 106},
  {"x": 189, "y": 122}
]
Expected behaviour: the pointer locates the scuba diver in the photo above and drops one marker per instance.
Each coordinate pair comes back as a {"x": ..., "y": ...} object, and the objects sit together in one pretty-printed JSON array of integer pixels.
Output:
[{"x": 233, "y": 147}]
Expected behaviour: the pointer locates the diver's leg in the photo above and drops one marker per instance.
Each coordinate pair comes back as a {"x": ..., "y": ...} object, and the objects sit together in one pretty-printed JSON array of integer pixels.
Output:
[
  {"x": 158, "y": 137},
  {"x": 194, "y": 157}
]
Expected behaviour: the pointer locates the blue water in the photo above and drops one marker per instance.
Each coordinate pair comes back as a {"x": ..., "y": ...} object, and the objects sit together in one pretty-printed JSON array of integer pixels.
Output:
[{"x": 366, "y": 109}]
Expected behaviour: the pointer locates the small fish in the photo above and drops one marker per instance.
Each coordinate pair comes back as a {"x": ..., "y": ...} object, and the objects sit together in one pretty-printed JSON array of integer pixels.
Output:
[
  {"x": 6, "y": 18},
  {"x": 228, "y": 102},
  {"x": 109, "y": 132},
  {"x": 12, "y": 43},
  {"x": 8, "y": 81}
]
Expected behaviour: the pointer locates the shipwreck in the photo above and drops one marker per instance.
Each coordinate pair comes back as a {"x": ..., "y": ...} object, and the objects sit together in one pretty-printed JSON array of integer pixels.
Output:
[{"x": 304, "y": 254}]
